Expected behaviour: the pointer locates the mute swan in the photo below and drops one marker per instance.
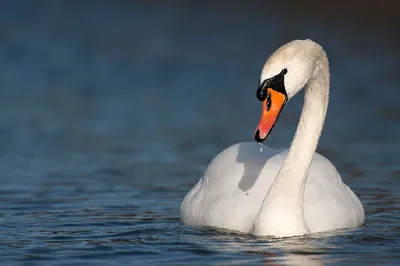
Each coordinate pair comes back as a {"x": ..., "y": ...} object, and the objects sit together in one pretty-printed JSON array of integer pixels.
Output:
[{"x": 279, "y": 193}]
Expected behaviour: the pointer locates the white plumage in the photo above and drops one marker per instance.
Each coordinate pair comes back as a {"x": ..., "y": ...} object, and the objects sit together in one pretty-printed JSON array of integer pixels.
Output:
[{"x": 279, "y": 192}]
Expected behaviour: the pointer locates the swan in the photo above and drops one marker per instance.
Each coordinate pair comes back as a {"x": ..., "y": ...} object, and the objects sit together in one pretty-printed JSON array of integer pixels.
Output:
[{"x": 279, "y": 193}]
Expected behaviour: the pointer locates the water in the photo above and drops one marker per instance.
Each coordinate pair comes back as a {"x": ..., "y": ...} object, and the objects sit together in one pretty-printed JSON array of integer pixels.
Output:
[{"x": 110, "y": 113}]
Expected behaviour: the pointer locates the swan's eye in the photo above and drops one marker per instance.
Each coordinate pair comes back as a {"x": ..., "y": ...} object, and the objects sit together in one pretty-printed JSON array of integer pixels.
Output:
[{"x": 268, "y": 104}]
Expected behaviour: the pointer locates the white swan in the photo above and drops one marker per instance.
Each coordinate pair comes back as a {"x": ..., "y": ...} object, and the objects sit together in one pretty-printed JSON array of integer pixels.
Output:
[{"x": 279, "y": 193}]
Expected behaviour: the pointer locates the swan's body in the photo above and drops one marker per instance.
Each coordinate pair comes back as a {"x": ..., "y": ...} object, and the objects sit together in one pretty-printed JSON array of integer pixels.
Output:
[{"x": 279, "y": 192}]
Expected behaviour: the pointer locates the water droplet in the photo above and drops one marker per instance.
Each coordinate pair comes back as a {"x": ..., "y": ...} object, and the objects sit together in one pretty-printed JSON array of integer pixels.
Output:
[{"x": 261, "y": 147}]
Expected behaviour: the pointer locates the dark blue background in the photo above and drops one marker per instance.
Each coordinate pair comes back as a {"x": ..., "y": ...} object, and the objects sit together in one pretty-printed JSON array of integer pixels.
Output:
[{"x": 111, "y": 110}]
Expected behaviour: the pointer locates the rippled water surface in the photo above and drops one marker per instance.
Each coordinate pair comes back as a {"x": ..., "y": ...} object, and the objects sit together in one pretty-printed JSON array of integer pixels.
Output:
[{"x": 110, "y": 114}]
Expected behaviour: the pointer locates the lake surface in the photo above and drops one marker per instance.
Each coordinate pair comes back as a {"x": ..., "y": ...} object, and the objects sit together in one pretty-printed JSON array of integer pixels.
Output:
[{"x": 110, "y": 114}]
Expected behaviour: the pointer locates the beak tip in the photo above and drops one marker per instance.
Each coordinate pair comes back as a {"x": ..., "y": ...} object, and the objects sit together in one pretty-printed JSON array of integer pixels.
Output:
[{"x": 258, "y": 138}]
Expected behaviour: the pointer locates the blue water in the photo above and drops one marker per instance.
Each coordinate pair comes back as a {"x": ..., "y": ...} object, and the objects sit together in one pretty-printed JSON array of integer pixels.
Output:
[{"x": 111, "y": 112}]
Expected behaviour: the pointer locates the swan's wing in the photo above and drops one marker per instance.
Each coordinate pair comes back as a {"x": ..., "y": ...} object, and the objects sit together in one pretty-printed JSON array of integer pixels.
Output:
[
  {"x": 232, "y": 188},
  {"x": 328, "y": 202}
]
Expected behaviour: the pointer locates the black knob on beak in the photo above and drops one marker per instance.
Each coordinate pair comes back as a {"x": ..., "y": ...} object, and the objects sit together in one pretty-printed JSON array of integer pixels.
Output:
[{"x": 261, "y": 93}]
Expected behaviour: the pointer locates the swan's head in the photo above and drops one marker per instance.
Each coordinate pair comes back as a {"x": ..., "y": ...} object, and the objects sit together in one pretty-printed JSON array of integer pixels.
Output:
[{"x": 284, "y": 74}]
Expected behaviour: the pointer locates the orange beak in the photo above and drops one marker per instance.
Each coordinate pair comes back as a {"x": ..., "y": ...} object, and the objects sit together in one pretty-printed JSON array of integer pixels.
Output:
[{"x": 271, "y": 109}]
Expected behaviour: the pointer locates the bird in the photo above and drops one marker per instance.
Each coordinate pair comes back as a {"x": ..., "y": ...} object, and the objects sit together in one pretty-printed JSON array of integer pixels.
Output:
[{"x": 278, "y": 192}]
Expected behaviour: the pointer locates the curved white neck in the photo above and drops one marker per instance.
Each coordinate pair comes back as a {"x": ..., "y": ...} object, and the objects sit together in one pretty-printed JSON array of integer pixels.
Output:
[{"x": 283, "y": 204}]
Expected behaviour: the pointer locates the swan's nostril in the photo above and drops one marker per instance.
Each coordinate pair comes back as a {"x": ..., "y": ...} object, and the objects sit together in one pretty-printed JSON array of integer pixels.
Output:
[{"x": 257, "y": 137}]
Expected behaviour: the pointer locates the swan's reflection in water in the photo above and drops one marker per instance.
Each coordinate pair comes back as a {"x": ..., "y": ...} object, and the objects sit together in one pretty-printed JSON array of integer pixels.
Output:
[{"x": 304, "y": 250}]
